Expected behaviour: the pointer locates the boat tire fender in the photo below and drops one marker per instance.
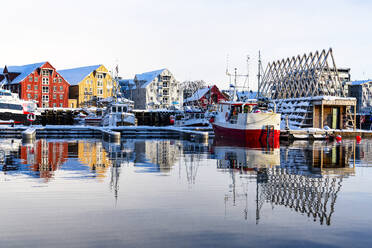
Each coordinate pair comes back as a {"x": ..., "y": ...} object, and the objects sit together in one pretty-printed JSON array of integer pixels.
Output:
[{"x": 31, "y": 117}]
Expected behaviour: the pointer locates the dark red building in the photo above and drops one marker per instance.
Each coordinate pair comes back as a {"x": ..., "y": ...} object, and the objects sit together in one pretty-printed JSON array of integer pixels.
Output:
[
  {"x": 204, "y": 97},
  {"x": 40, "y": 82}
]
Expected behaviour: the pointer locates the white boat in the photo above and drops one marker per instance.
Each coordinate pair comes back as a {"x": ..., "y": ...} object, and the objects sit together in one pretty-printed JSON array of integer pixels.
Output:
[
  {"x": 192, "y": 118},
  {"x": 15, "y": 110},
  {"x": 119, "y": 114},
  {"x": 93, "y": 118}
]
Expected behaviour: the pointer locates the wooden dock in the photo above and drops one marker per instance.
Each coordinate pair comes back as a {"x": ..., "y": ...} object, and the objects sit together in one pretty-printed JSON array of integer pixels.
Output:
[
  {"x": 112, "y": 134},
  {"x": 317, "y": 134}
]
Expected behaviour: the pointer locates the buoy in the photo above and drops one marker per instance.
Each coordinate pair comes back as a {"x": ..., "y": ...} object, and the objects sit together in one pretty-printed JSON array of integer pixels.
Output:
[
  {"x": 171, "y": 119},
  {"x": 358, "y": 138},
  {"x": 338, "y": 138}
]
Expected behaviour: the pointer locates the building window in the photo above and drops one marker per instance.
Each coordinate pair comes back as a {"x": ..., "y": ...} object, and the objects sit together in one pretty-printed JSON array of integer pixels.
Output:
[
  {"x": 54, "y": 88},
  {"x": 165, "y": 99},
  {"x": 54, "y": 96},
  {"x": 55, "y": 80},
  {"x": 100, "y": 91},
  {"x": 60, "y": 80},
  {"x": 61, "y": 88},
  {"x": 45, "y": 89},
  {"x": 61, "y": 97},
  {"x": 30, "y": 79},
  {"x": 100, "y": 83},
  {"x": 29, "y": 96},
  {"x": 45, "y": 80},
  {"x": 61, "y": 105},
  {"x": 36, "y": 79},
  {"x": 45, "y": 98},
  {"x": 54, "y": 105},
  {"x": 45, "y": 73},
  {"x": 165, "y": 84},
  {"x": 35, "y": 87},
  {"x": 100, "y": 76},
  {"x": 29, "y": 87},
  {"x": 165, "y": 92},
  {"x": 35, "y": 96},
  {"x": 45, "y": 105}
]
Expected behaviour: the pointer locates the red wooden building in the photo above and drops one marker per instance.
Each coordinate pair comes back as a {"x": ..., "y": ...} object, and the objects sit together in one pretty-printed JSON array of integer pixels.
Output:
[
  {"x": 40, "y": 82},
  {"x": 204, "y": 97}
]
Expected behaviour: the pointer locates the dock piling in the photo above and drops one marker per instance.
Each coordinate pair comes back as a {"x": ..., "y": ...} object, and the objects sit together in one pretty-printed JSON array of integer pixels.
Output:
[{"x": 29, "y": 135}]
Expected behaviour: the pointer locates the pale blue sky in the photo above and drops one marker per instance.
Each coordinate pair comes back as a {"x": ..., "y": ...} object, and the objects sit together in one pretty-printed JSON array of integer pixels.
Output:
[{"x": 191, "y": 38}]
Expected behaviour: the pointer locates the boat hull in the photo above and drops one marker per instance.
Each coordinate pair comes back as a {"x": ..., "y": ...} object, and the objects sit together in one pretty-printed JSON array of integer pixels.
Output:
[
  {"x": 17, "y": 118},
  {"x": 254, "y": 138}
]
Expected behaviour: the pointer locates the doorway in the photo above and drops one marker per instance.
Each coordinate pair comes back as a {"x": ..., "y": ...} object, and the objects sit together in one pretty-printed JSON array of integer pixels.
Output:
[{"x": 335, "y": 118}]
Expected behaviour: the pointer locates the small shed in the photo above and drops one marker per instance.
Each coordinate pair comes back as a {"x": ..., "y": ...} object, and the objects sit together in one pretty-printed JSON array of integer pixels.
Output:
[{"x": 205, "y": 96}]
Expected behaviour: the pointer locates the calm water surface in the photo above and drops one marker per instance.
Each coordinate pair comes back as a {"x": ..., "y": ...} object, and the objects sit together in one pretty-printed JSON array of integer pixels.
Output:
[{"x": 171, "y": 193}]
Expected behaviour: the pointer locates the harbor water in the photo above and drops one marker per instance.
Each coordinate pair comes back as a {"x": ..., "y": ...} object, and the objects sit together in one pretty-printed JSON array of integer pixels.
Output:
[{"x": 176, "y": 193}]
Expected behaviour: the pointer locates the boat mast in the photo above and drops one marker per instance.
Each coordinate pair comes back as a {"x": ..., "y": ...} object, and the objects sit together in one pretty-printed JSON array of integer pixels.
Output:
[
  {"x": 259, "y": 72},
  {"x": 234, "y": 92},
  {"x": 115, "y": 85}
]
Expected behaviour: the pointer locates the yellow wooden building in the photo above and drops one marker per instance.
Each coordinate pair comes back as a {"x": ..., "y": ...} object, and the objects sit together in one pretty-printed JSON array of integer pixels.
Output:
[{"x": 87, "y": 85}]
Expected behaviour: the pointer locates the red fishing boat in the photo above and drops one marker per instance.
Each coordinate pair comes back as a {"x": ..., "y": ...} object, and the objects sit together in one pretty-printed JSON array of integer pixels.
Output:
[{"x": 247, "y": 124}]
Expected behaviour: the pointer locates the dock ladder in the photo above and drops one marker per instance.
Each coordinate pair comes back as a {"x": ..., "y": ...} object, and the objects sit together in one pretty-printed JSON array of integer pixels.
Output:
[{"x": 270, "y": 136}]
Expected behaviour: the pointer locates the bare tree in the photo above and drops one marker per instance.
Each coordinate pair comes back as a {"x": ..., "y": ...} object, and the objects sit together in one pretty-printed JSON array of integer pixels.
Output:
[{"x": 190, "y": 87}]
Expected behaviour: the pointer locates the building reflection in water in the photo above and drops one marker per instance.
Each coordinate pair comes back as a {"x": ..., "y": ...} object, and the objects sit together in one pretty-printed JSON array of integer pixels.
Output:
[
  {"x": 156, "y": 155},
  {"x": 305, "y": 177},
  {"x": 95, "y": 157},
  {"x": 9, "y": 153},
  {"x": 193, "y": 156},
  {"x": 44, "y": 157}
]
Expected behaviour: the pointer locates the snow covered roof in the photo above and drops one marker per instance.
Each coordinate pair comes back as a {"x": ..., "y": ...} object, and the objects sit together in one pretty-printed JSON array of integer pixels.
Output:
[
  {"x": 127, "y": 84},
  {"x": 197, "y": 95},
  {"x": 316, "y": 98},
  {"x": 24, "y": 71},
  {"x": 148, "y": 77},
  {"x": 75, "y": 75},
  {"x": 246, "y": 95},
  {"x": 359, "y": 82}
]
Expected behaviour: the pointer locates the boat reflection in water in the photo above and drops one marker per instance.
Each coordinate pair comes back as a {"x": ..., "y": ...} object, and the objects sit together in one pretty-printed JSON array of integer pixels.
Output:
[{"x": 304, "y": 177}]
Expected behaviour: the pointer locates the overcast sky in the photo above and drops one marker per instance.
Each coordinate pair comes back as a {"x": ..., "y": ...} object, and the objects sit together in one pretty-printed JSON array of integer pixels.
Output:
[{"x": 191, "y": 38}]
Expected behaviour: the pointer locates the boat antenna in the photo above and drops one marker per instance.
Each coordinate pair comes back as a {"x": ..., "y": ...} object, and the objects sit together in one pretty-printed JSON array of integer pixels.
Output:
[
  {"x": 246, "y": 81},
  {"x": 236, "y": 75},
  {"x": 227, "y": 68}
]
